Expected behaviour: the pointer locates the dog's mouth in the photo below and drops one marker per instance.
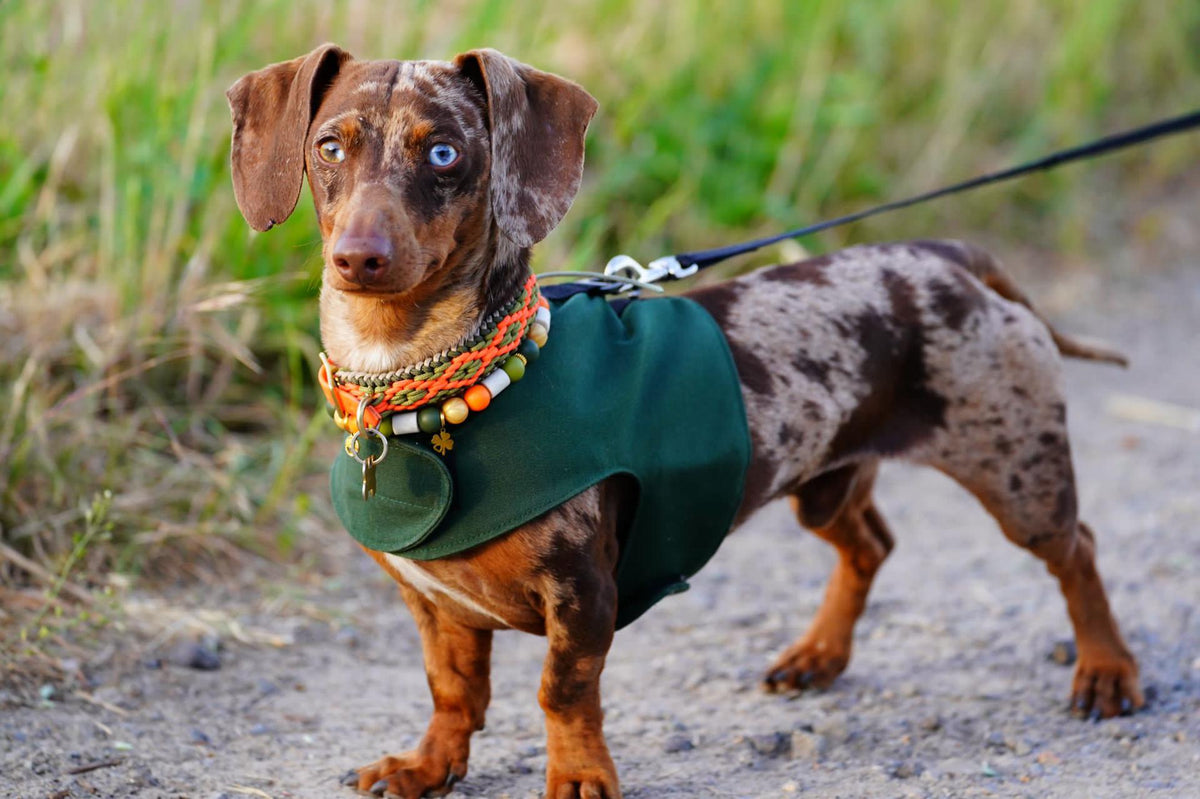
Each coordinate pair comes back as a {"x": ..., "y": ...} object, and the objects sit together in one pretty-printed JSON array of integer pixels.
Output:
[{"x": 370, "y": 291}]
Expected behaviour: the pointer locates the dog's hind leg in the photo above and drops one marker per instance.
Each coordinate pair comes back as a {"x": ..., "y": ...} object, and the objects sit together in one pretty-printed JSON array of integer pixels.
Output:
[
  {"x": 457, "y": 666},
  {"x": 837, "y": 506},
  {"x": 1026, "y": 481}
]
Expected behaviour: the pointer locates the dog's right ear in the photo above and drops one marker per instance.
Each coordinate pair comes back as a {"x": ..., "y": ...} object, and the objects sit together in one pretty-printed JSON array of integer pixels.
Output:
[{"x": 272, "y": 109}]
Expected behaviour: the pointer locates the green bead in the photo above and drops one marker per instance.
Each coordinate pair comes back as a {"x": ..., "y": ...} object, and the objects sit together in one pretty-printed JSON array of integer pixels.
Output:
[
  {"x": 385, "y": 425},
  {"x": 529, "y": 349},
  {"x": 514, "y": 368},
  {"x": 429, "y": 420}
]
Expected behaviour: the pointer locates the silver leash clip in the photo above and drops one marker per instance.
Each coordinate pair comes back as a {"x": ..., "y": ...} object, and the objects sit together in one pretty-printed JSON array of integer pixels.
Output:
[{"x": 667, "y": 266}]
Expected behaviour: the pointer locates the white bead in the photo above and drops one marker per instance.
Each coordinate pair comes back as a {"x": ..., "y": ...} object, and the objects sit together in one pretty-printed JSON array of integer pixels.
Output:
[
  {"x": 404, "y": 424},
  {"x": 543, "y": 316},
  {"x": 496, "y": 382}
]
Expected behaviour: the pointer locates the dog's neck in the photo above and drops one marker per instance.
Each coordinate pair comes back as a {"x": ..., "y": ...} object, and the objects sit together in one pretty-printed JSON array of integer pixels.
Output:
[{"x": 381, "y": 334}]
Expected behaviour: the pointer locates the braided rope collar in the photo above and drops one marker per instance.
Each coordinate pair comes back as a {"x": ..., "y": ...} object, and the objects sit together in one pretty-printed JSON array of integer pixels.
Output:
[{"x": 438, "y": 377}]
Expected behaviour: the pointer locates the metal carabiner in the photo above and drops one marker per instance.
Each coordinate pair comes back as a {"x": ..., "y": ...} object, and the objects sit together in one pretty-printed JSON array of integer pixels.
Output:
[{"x": 667, "y": 266}]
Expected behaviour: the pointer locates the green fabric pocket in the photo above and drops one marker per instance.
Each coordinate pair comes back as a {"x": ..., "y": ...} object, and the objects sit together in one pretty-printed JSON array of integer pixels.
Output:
[{"x": 413, "y": 493}]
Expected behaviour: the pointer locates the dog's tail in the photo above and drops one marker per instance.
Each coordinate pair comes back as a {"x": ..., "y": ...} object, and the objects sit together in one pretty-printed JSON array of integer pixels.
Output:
[{"x": 987, "y": 269}]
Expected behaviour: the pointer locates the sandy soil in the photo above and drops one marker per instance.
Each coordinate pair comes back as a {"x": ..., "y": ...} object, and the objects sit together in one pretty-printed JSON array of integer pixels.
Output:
[{"x": 952, "y": 692}]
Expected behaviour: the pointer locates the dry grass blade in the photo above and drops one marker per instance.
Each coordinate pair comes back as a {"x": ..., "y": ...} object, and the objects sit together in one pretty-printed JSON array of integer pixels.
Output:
[{"x": 50, "y": 580}]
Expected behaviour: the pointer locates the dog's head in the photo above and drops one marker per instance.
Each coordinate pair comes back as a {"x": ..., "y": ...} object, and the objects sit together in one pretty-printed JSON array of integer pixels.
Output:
[{"x": 421, "y": 171}]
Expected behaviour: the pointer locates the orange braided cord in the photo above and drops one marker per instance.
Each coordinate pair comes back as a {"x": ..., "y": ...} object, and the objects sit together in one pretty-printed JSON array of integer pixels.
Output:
[{"x": 464, "y": 370}]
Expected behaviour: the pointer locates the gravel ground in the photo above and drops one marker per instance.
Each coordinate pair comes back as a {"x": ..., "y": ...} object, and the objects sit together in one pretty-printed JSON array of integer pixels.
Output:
[{"x": 953, "y": 690}]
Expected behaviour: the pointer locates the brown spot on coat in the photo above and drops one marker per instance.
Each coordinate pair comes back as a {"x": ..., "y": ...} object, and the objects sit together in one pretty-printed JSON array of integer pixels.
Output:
[
  {"x": 954, "y": 303},
  {"x": 718, "y": 300},
  {"x": 811, "y": 271},
  {"x": 752, "y": 371},
  {"x": 900, "y": 410}
]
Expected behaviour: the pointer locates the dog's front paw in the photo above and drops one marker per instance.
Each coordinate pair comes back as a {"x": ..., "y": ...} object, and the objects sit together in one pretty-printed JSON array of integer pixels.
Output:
[
  {"x": 409, "y": 776},
  {"x": 805, "y": 664},
  {"x": 1105, "y": 687},
  {"x": 586, "y": 784}
]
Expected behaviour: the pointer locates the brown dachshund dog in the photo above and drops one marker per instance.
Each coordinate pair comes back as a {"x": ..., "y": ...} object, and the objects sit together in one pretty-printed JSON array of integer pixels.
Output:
[{"x": 432, "y": 180}]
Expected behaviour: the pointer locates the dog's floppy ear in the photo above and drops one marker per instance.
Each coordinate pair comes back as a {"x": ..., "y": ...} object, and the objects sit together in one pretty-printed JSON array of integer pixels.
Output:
[
  {"x": 537, "y": 122},
  {"x": 272, "y": 109}
]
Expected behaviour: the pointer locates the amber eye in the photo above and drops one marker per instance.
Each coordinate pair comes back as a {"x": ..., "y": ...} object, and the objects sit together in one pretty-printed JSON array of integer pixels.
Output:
[{"x": 331, "y": 151}]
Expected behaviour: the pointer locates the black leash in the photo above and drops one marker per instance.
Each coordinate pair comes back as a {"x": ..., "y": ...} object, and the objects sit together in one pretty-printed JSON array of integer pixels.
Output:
[{"x": 687, "y": 263}]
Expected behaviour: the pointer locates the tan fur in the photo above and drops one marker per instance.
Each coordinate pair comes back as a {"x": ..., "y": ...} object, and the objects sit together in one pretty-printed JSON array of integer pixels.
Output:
[{"x": 885, "y": 351}]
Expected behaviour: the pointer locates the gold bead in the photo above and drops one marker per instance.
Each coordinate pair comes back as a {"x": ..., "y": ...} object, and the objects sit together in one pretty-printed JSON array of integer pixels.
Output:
[
  {"x": 538, "y": 334},
  {"x": 455, "y": 410}
]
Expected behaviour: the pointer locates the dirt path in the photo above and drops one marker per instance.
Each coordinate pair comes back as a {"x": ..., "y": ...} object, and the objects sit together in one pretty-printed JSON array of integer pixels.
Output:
[{"x": 951, "y": 692}]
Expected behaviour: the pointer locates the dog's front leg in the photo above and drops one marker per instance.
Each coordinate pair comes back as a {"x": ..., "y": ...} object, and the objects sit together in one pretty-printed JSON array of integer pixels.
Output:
[
  {"x": 457, "y": 664},
  {"x": 579, "y": 627}
]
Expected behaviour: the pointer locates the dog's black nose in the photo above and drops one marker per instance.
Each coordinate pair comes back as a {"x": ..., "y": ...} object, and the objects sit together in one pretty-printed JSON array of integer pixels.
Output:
[{"x": 362, "y": 259}]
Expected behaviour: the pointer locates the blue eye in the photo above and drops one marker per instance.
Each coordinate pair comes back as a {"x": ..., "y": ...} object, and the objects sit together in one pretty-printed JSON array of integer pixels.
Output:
[{"x": 442, "y": 155}]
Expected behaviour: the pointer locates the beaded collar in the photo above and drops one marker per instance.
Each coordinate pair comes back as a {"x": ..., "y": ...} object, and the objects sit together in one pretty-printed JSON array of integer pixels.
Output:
[{"x": 404, "y": 401}]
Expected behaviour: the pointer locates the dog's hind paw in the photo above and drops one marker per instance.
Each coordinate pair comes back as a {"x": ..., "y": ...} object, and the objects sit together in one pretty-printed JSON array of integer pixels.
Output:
[
  {"x": 579, "y": 787},
  {"x": 409, "y": 776},
  {"x": 1105, "y": 689},
  {"x": 803, "y": 666}
]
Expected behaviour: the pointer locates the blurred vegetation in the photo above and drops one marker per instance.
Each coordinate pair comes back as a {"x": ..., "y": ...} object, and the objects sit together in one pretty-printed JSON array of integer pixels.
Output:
[{"x": 151, "y": 346}]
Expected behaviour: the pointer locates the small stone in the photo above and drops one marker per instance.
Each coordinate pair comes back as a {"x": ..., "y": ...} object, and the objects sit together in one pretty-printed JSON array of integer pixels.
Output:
[
  {"x": 1064, "y": 652},
  {"x": 833, "y": 727},
  {"x": 995, "y": 740},
  {"x": 261, "y": 729},
  {"x": 678, "y": 743},
  {"x": 1018, "y": 746},
  {"x": 930, "y": 723},
  {"x": 348, "y": 637},
  {"x": 772, "y": 744},
  {"x": 194, "y": 655},
  {"x": 905, "y": 769},
  {"x": 808, "y": 745},
  {"x": 200, "y": 737},
  {"x": 1048, "y": 759},
  {"x": 790, "y": 787}
]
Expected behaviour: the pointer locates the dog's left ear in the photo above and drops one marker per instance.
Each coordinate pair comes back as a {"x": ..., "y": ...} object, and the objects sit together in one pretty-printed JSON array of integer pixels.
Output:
[{"x": 537, "y": 123}]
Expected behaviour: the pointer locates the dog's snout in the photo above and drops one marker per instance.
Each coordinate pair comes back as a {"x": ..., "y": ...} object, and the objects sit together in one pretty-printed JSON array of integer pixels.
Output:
[{"x": 362, "y": 258}]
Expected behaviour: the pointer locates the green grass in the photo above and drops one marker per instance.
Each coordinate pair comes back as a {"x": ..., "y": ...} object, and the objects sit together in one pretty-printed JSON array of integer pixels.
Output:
[{"x": 152, "y": 346}]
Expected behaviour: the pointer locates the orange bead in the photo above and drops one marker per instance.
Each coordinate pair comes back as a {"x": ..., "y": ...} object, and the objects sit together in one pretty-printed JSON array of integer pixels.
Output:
[{"x": 477, "y": 398}]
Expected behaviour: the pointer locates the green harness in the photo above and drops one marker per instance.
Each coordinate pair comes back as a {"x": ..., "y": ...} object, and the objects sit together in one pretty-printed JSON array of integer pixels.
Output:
[{"x": 651, "y": 393}]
